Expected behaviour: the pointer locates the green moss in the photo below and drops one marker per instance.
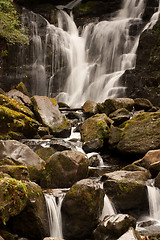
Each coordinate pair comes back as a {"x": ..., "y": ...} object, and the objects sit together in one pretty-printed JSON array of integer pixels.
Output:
[{"x": 87, "y": 6}]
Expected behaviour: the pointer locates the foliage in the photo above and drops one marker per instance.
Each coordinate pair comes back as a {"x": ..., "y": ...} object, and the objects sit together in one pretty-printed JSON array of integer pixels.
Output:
[{"x": 10, "y": 26}]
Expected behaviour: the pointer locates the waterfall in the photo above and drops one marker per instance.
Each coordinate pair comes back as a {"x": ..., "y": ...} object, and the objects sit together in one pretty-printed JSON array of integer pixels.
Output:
[
  {"x": 108, "y": 208},
  {"x": 154, "y": 201},
  {"x": 75, "y": 65},
  {"x": 54, "y": 214}
]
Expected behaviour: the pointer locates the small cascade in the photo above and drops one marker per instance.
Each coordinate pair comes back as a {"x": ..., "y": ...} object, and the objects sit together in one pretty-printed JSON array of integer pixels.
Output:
[
  {"x": 108, "y": 208},
  {"x": 154, "y": 201},
  {"x": 54, "y": 204}
]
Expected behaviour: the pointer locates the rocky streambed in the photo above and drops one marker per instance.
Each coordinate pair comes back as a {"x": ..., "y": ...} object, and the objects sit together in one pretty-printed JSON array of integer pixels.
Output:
[{"x": 124, "y": 132}]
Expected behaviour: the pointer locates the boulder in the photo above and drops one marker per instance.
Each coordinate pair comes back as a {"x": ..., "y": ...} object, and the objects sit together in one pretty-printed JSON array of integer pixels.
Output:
[
  {"x": 111, "y": 105},
  {"x": 64, "y": 168},
  {"x": 90, "y": 108},
  {"x": 113, "y": 226},
  {"x": 16, "y": 125},
  {"x": 94, "y": 131},
  {"x": 32, "y": 222},
  {"x": 142, "y": 103},
  {"x": 127, "y": 189},
  {"x": 81, "y": 208},
  {"x": 22, "y": 88},
  {"x": 23, "y": 154},
  {"x": 20, "y": 97},
  {"x": 130, "y": 234},
  {"x": 15, "y": 105},
  {"x": 47, "y": 112},
  {"x": 119, "y": 116},
  {"x": 17, "y": 172},
  {"x": 150, "y": 161},
  {"x": 140, "y": 134}
]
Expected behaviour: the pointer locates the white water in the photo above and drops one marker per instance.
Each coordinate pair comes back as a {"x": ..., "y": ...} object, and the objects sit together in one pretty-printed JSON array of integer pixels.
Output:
[
  {"x": 85, "y": 64},
  {"x": 54, "y": 215},
  {"x": 108, "y": 208},
  {"x": 154, "y": 201}
]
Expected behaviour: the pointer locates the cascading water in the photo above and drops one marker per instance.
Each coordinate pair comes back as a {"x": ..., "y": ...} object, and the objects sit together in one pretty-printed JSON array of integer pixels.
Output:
[
  {"x": 74, "y": 65},
  {"x": 108, "y": 208},
  {"x": 54, "y": 214}
]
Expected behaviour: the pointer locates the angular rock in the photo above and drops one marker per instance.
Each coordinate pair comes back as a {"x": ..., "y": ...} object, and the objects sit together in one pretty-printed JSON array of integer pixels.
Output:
[
  {"x": 90, "y": 108},
  {"x": 111, "y": 105},
  {"x": 127, "y": 189},
  {"x": 113, "y": 226},
  {"x": 23, "y": 154},
  {"x": 142, "y": 103},
  {"x": 15, "y": 105},
  {"x": 119, "y": 116},
  {"x": 140, "y": 134},
  {"x": 32, "y": 222},
  {"x": 64, "y": 168},
  {"x": 81, "y": 208},
  {"x": 16, "y": 125},
  {"x": 20, "y": 97},
  {"x": 94, "y": 131},
  {"x": 48, "y": 113},
  {"x": 130, "y": 234}
]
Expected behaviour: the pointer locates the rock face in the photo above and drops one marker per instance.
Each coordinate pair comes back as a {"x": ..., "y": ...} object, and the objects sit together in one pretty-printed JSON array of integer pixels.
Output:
[
  {"x": 113, "y": 226},
  {"x": 81, "y": 208},
  {"x": 23, "y": 154},
  {"x": 48, "y": 113},
  {"x": 140, "y": 134},
  {"x": 94, "y": 131},
  {"x": 64, "y": 168},
  {"x": 127, "y": 189}
]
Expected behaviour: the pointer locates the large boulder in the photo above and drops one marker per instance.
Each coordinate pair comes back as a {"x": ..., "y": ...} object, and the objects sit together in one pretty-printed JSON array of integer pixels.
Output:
[
  {"x": 81, "y": 208},
  {"x": 16, "y": 125},
  {"x": 64, "y": 168},
  {"x": 111, "y": 105},
  {"x": 22, "y": 153},
  {"x": 140, "y": 134},
  {"x": 18, "y": 172},
  {"x": 32, "y": 221},
  {"x": 90, "y": 108},
  {"x": 127, "y": 189},
  {"x": 113, "y": 226},
  {"x": 94, "y": 131},
  {"x": 47, "y": 112}
]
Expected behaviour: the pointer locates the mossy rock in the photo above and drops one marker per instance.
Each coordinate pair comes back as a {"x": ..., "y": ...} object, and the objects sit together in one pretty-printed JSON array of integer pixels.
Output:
[
  {"x": 81, "y": 208},
  {"x": 13, "y": 198},
  {"x": 140, "y": 134},
  {"x": 45, "y": 153},
  {"x": 64, "y": 168},
  {"x": 17, "y": 172},
  {"x": 13, "y": 121},
  {"x": 90, "y": 108},
  {"x": 94, "y": 131},
  {"x": 22, "y": 88},
  {"x": 142, "y": 103},
  {"x": 111, "y": 105},
  {"x": 15, "y": 105},
  {"x": 119, "y": 116},
  {"x": 127, "y": 189}
]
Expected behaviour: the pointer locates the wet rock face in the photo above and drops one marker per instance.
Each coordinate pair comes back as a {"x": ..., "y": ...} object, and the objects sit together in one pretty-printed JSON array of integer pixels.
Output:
[{"x": 81, "y": 208}]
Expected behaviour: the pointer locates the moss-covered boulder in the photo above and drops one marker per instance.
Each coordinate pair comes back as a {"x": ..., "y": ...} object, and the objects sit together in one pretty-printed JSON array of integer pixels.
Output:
[
  {"x": 113, "y": 226},
  {"x": 81, "y": 208},
  {"x": 22, "y": 88},
  {"x": 140, "y": 134},
  {"x": 32, "y": 222},
  {"x": 20, "y": 97},
  {"x": 48, "y": 113},
  {"x": 17, "y": 172},
  {"x": 15, "y": 105},
  {"x": 111, "y": 105},
  {"x": 127, "y": 189},
  {"x": 23, "y": 154},
  {"x": 13, "y": 197},
  {"x": 16, "y": 125},
  {"x": 94, "y": 131},
  {"x": 64, "y": 168}
]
